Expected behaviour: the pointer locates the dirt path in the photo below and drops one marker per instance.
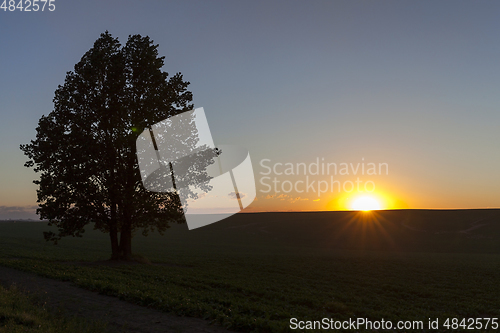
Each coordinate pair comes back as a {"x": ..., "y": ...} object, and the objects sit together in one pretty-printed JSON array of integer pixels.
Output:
[{"x": 121, "y": 316}]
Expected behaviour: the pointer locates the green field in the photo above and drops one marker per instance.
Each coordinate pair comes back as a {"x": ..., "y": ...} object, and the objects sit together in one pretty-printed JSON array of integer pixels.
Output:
[{"x": 253, "y": 272}]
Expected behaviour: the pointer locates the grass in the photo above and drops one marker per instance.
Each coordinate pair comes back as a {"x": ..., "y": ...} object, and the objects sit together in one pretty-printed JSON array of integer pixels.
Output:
[
  {"x": 20, "y": 312},
  {"x": 254, "y": 272}
]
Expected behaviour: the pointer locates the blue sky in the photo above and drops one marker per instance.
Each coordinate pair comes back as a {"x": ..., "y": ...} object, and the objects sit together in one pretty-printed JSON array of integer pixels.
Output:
[{"x": 413, "y": 84}]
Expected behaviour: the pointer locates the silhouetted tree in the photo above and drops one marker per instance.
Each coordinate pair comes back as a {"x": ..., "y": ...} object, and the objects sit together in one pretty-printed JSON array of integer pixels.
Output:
[{"x": 85, "y": 148}]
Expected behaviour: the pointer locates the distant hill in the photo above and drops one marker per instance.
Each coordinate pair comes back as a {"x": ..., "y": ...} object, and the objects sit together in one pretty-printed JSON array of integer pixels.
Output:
[
  {"x": 411, "y": 230},
  {"x": 475, "y": 230},
  {"x": 22, "y": 220}
]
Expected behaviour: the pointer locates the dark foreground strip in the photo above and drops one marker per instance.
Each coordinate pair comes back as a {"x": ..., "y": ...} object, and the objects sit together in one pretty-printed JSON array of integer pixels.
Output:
[{"x": 120, "y": 315}]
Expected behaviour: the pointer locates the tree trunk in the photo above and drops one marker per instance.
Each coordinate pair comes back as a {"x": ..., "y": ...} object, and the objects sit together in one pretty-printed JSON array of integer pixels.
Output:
[
  {"x": 126, "y": 241},
  {"x": 126, "y": 244},
  {"x": 113, "y": 234},
  {"x": 115, "y": 249}
]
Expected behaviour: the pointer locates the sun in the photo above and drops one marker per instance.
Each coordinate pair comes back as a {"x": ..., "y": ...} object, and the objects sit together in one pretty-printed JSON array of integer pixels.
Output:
[{"x": 366, "y": 204}]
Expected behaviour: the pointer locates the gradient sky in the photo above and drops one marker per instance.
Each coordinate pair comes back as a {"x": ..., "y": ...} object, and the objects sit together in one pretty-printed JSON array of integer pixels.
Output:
[{"x": 414, "y": 84}]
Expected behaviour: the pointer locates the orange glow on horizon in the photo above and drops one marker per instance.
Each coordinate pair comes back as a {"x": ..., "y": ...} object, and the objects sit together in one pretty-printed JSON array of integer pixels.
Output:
[
  {"x": 365, "y": 202},
  {"x": 376, "y": 200}
]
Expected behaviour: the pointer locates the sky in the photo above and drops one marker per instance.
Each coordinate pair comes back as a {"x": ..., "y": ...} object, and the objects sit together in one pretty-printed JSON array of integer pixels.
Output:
[{"x": 411, "y": 86}]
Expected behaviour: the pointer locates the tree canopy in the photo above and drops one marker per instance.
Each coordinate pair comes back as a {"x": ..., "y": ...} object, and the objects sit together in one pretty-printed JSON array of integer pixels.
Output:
[{"x": 85, "y": 148}]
